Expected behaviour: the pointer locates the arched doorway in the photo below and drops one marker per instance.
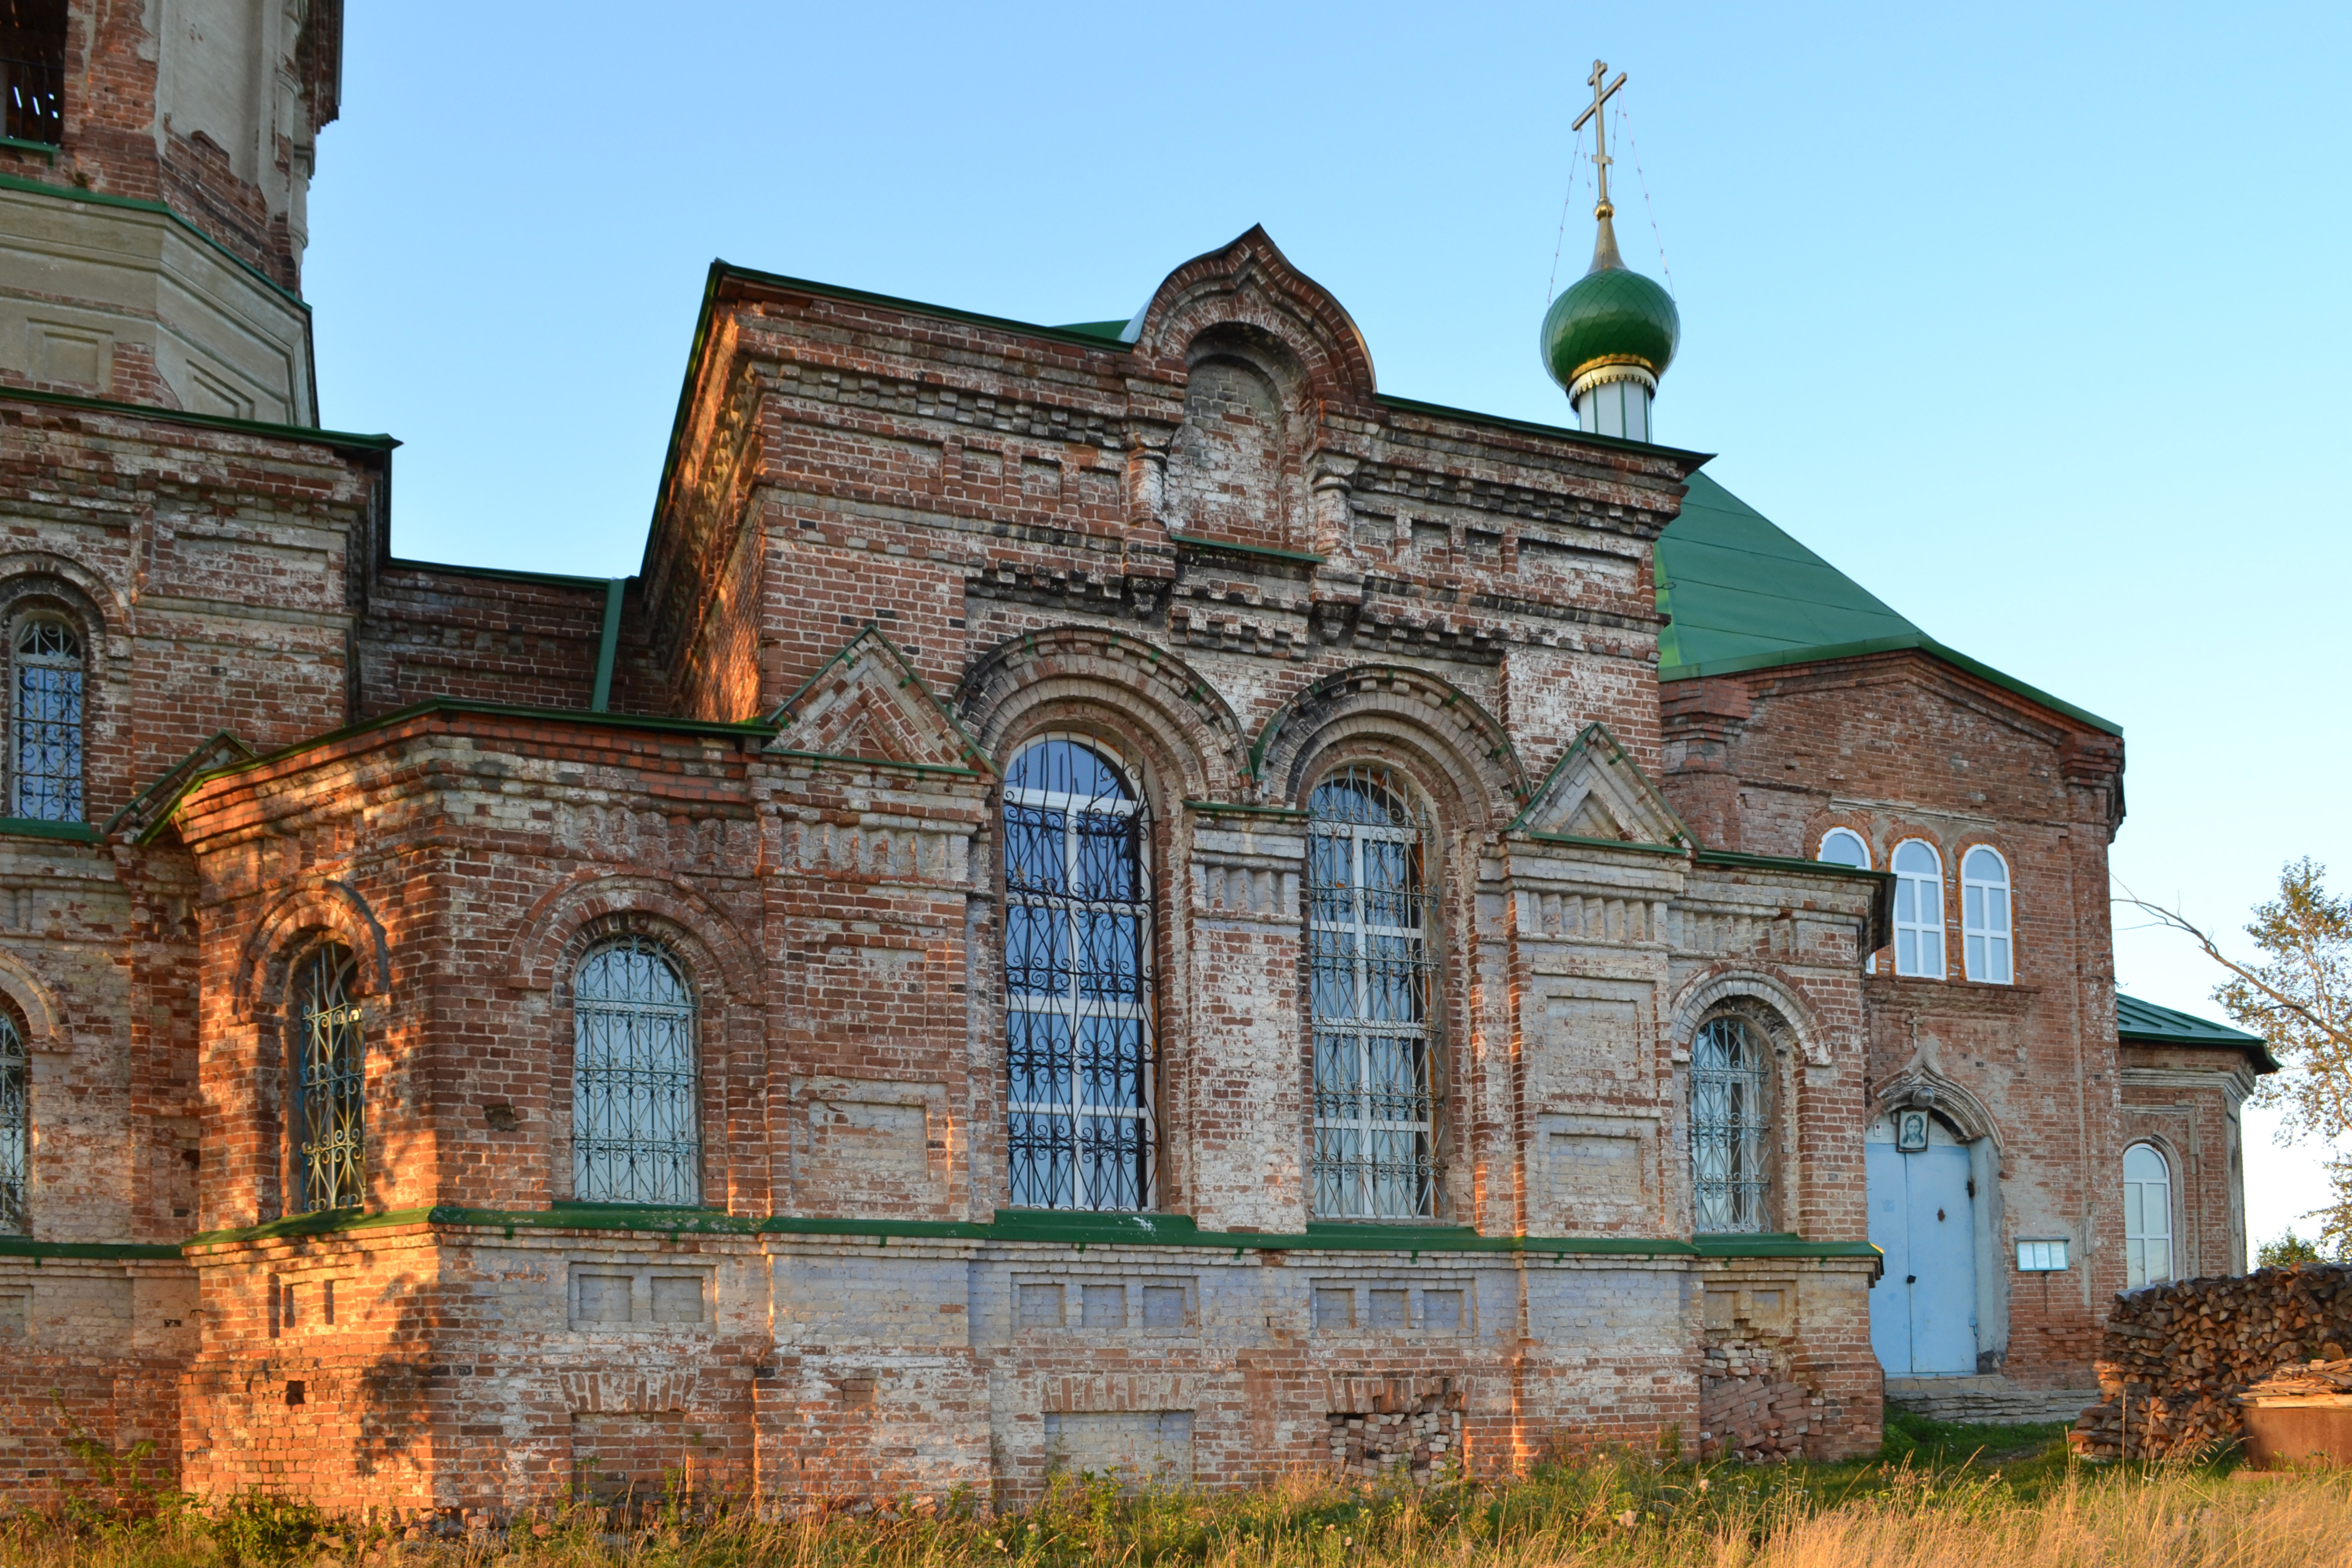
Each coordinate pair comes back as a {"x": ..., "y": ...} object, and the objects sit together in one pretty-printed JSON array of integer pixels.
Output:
[{"x": 1923, "y": 1216}]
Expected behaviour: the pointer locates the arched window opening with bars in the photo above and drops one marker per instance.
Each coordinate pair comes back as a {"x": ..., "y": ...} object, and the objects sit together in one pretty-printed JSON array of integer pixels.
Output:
[
  {"x": 637, "y": 1133},
  {"x": 2148, "y": 1217},
  {"x": 45, "y": 721},
  {"x": 1369, "y": 924},
  {"x": 1985, "y": 939},
  {"x": 16, "y": 1127},
  {"x": 1918, "y": 910},
  {"x": 329, "y": 1135},
  {"x": 1731, "y": 1143},
  {"x": 1079, "y": 997}
]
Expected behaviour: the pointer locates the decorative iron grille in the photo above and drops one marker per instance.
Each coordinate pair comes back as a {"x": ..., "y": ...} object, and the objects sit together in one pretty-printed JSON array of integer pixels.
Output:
[
  {"x": 1368, "y": 920},
  {"x": 329, "y": 1140},
  {"x": 47, "y": 782},
  {"x": 1729, "y": 1125},
  {"x": 15, "y": 1127},
  {"x": 1077, "y": 981},
  {"x": 32, "y": 70},
  {"x": 636, "y": 1126}
]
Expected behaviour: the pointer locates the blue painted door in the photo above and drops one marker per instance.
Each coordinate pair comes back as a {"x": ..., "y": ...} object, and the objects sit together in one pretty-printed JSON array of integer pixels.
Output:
[{"x": 1923, "y": 1314}]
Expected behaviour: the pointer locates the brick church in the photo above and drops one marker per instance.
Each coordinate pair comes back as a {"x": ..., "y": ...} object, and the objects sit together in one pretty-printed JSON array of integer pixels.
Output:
[{"x": 1108, "y": 895}]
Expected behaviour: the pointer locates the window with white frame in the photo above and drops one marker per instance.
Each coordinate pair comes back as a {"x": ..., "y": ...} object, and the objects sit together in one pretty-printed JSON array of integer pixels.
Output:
[
  {"x": 1730, "y": 1086},
  {"x": 1918, "y": 910},
  {"x": 328, "y": 1134},
  {"x": 44, "y": 719},
  {"x": 2148, "y": 1217},
  {"x": 1078, "y": 946},
  {"x": 1985, "y": 942},
  {"x": 636, "y": 1113},
  {"x": 1368, "y": 927},
  {"x": 16, "y": 1104},
  {"x": 1843, "y": 847}
]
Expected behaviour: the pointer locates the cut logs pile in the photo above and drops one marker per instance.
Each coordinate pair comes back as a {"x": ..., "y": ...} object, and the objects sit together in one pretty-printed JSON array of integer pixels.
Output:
[
  {"x": 2317, "y": 1379},
  {"x": 2176, "y": 1357}
]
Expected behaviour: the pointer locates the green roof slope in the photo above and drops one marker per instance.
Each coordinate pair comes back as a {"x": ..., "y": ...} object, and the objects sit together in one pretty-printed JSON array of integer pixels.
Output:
[
  {"x": 1742, "y": 594},
  {"x": 2150, "y": 1025}
]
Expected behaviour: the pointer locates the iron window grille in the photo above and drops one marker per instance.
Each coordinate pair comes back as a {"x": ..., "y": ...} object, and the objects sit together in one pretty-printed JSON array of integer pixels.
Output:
[
  {"x": 330, "y": 1135},
  {"x": 32, "y": 70},
  {"x": 1368, "y": 920},
  {"x": 636, "y": 1126},
  {"x": 1079, "y": 993},
  {"x": 15, "y": 1097},
  {"x": 1730, "y": 1128},
  {"x": 45, "y": 771}
]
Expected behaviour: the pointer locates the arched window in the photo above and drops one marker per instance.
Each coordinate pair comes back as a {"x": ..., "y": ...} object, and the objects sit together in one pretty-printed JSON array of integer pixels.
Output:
[
  {"x": 1984, "y": 916},
  {"x": 1730, "y": 1125},
  {"x": 2148, "y": 1217},
  {"x": 45, "y": 721},
  {"x": 1079, "y": 945},
  {"x": 329, "y": 1143},
  {"x": 1843, "y": 847},
  {"x": 635, "y": 1126},
  {"x": 1918, "y": 910},
  {"x": 1368, "y": 920},
  {"x": 16, "y": 1126}
]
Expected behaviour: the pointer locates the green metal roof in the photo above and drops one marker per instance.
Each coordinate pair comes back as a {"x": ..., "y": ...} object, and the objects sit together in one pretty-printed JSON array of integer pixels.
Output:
[
  {"x": 1742, "y": 594},
  {"x": 2152, "y": 1025}
]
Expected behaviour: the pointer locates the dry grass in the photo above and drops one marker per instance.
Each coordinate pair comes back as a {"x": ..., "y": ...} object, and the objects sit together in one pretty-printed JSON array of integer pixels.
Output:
[{"x": 1944, "y": 1498}]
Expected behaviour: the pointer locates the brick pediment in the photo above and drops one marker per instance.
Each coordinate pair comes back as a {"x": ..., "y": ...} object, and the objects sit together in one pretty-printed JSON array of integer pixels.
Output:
[
  {"x": 1598, "y": 790},
  {"x": 868, "y": 704}
]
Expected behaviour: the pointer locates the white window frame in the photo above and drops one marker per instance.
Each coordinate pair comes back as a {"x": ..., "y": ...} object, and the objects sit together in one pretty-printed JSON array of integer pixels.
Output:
[
  {"x": 1821, "y": 853},
  {"x": 1923, "y": 954},
  {"x": 1988, "y": 952},
  {"x": 2143, "y": 1199}
]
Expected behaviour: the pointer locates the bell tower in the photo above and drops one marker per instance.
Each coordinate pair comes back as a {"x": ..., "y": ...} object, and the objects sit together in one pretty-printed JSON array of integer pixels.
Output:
[{"x": 155, "y": 163}]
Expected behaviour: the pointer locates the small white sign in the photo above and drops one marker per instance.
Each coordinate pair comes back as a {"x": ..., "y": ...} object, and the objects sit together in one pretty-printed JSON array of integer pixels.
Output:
[{"x": 2041, "y": 1257}]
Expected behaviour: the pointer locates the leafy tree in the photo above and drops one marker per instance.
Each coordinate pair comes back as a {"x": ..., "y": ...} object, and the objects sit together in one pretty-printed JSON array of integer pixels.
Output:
[
  {"x": 2285, "y": 1251},
  {"x": 2298, "y": 997}
]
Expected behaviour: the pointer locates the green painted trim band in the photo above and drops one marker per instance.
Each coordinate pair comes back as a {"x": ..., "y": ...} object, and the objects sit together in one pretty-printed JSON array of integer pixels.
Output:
[
  {"x": 499, "y": 573},
  {"x": 35, "y": 827},
  {"x": 1919, "y": 642},
  {"x": 608, "y": 646},
  {"x": 132, "y": 204},
  {"x": 1222, "y": 808},
  {"x": 91, "y": 1251},
  {"x": 1781, "y": 1245},
  {"x": 20, "y": 144},
  {"x": 1528, "y": 427},
  {"x": 311, "y": 433},
  {"x": 1791, "y": 863},
  {"x": 1676, "y": 850},
  {"x": 945, "y": 769},
  {"x": 1195, "y": 541}
]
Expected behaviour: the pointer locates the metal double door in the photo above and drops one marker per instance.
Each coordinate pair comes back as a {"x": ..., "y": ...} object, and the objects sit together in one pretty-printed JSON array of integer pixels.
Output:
[{"x": 1923, "y": 1314}]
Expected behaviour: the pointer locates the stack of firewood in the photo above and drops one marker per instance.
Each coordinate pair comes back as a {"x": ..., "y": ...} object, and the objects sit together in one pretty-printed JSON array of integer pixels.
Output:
[
  {"x": 2310, "y": 1380},
  {"x": 2177, "y": 1357}
]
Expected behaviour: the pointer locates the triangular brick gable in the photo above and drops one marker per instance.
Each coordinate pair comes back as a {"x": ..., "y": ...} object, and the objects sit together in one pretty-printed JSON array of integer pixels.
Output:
[
  {"x": 1597, "y": 790},
  {"x": 868, "y": 704}
]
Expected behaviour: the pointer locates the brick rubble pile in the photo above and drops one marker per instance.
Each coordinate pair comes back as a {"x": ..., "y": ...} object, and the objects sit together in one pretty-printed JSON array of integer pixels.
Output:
[{"x": 2176, "y": 1358}]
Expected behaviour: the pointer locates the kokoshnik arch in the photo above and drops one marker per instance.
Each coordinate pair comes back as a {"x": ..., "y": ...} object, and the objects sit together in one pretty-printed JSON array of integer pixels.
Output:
[{"x": 1110, "y": 895}]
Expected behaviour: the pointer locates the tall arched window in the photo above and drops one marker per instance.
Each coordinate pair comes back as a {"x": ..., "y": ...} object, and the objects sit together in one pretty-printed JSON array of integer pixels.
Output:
[
  {"x": 1731, "y": 1141},
  {"x": 2148, "y": 1217},
  {"x": 45, "y": 721},
  {"x": 1368, "y": 920},
  {"x": 1079, "y": 945},
  {"x": 329, "y": 1143},
  {"x": 1918, "y": 910},
  {"x": 636, "y": 1127},
  {"x": 16, "y": 1126},
  {"x": 1843, "y": 847},
  {"x": 1984, "y": 916}
]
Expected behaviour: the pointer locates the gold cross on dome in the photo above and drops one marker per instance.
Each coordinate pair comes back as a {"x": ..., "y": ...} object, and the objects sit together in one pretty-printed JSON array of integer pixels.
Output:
[{"x": 1600, "y": 158}]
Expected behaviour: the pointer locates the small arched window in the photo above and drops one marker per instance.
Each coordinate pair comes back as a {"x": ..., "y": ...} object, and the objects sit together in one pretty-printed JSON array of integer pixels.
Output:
[
  {"x": 1079, "y": 945},
  {"x": 2148, "y": 1217},
  {"x": 1730, "y": 1126},
  {"x": 45, "y": 721},
  {"x": 1368, "y": 924},
  {"x": 1985, "y": 947},
  {"x": 635, "y": 1124},
  {"x": 1918, "y": 910},
  {"x": 16, "y": 1127},
  {"x": 1843, "y": 847},
  {"x": 328, "y": 1136}
]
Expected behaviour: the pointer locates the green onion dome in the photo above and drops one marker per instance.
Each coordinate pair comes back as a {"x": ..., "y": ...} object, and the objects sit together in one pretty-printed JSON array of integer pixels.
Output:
[{"x": 1611, "y": 315}]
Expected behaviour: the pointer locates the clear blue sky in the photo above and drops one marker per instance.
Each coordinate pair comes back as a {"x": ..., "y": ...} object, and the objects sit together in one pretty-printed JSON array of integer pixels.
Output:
[{"x": 2030, "y": 317}]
